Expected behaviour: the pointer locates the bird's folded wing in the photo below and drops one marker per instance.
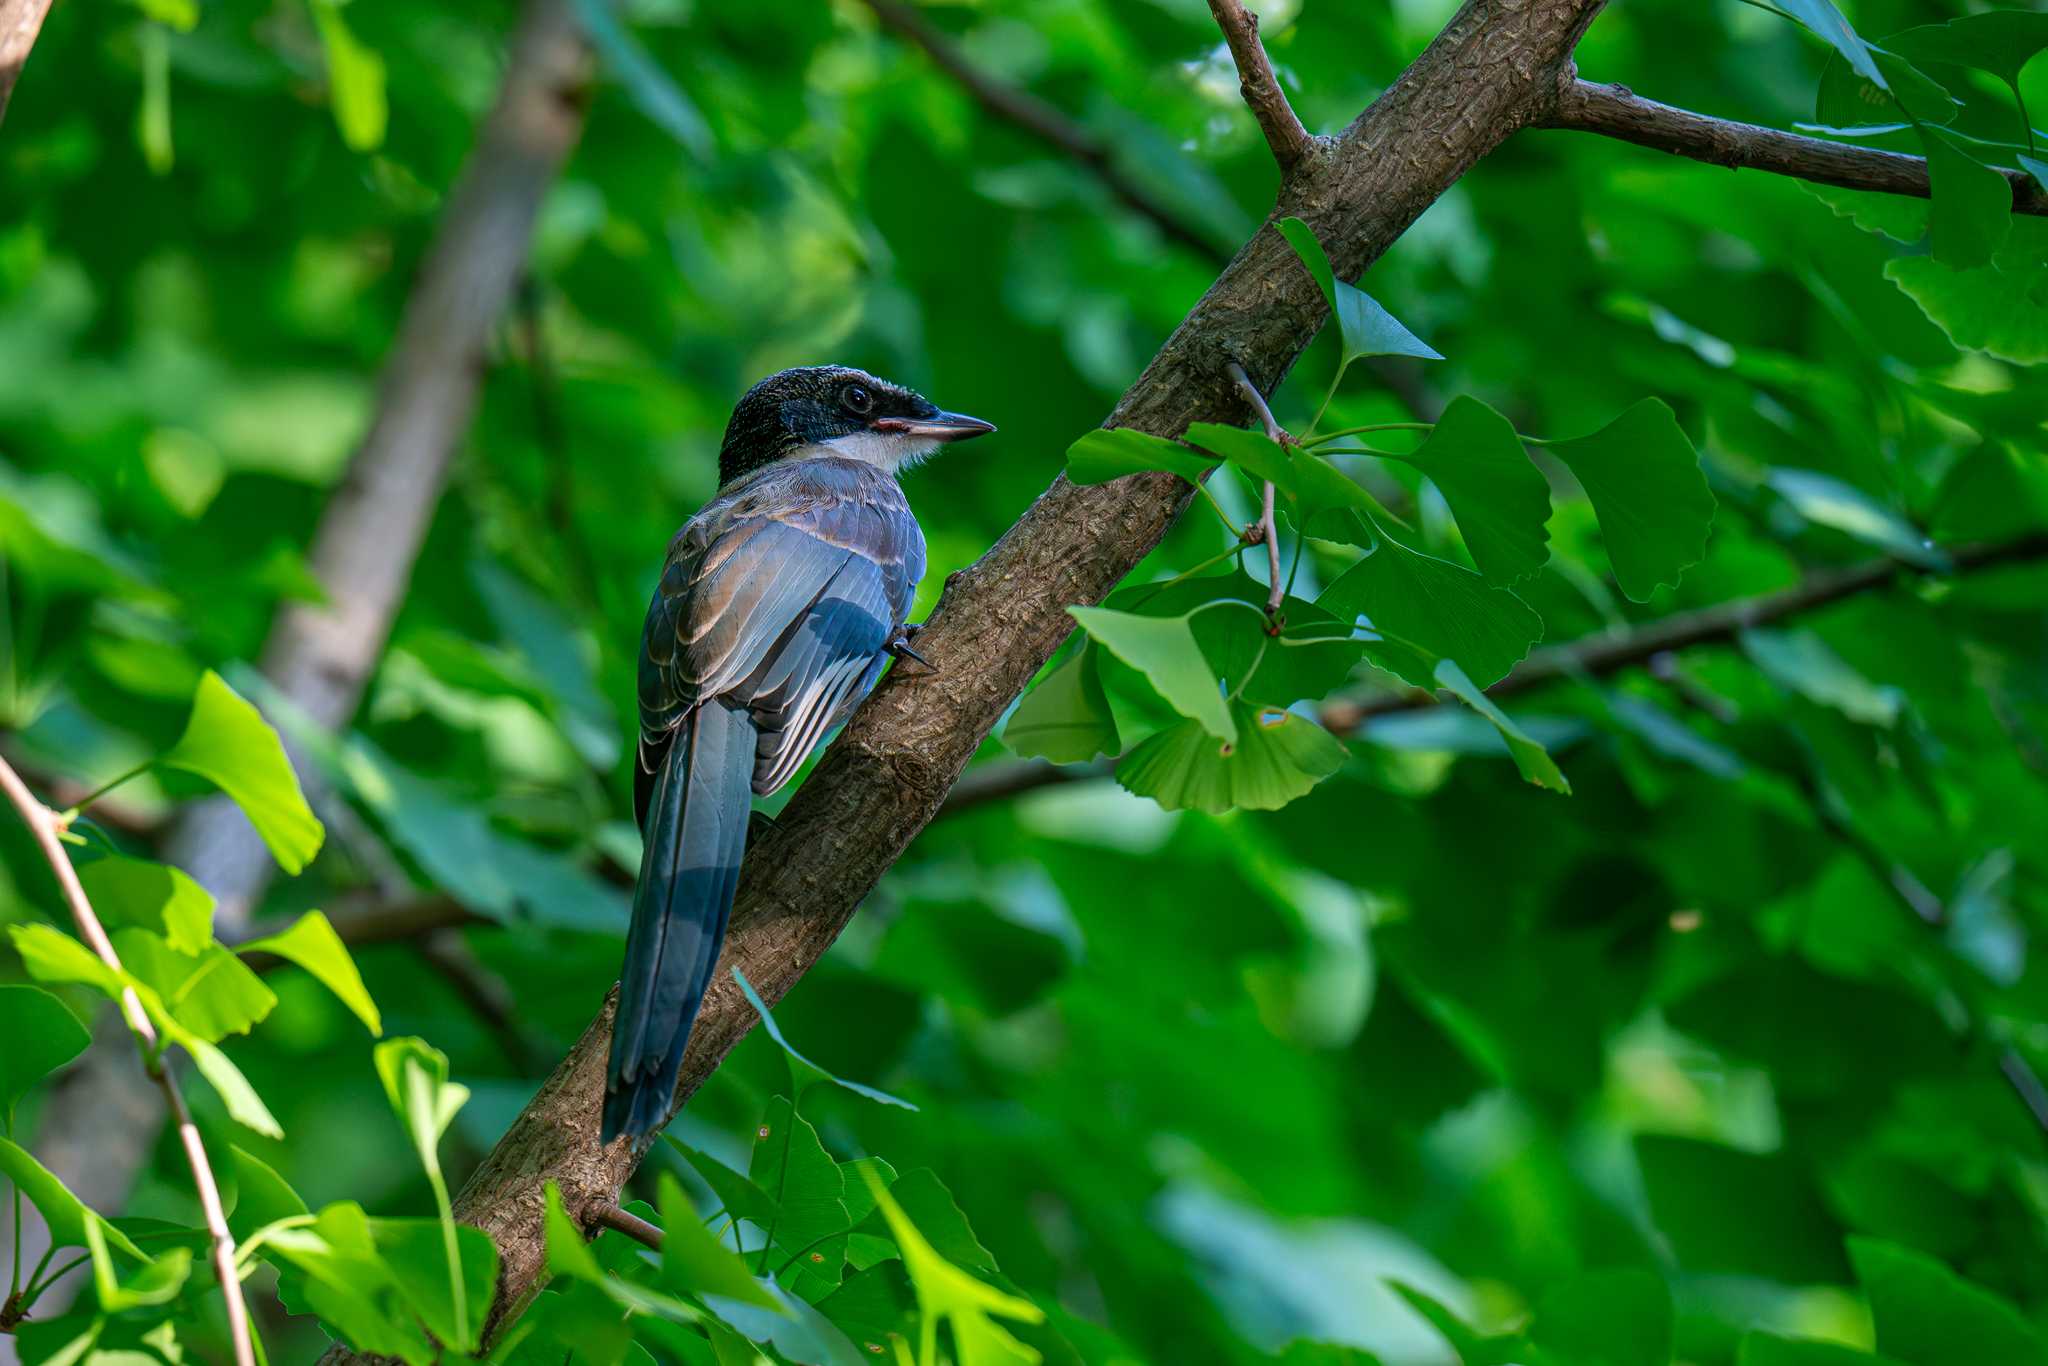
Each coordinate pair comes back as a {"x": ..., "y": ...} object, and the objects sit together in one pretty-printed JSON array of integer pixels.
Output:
[{"x": 784, "y": 613}]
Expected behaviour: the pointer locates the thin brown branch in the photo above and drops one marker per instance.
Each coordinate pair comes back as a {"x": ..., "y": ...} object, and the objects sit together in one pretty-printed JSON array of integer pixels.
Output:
[
  {"x": 1615, "y": 111},
  {"x": 1269, "y": 528},
  {"x": 1606, "y": 654},
  {"x": 1024, "y": 110},
  {"x": 370, "y": 533},
  {"x": 1493, "y": 70},
  {"x": 1286, "y": 137},
  {"x": 21, "y": 21},
  {"x": 43, "y": 823},
  {"x": 628, "y": 1223}
]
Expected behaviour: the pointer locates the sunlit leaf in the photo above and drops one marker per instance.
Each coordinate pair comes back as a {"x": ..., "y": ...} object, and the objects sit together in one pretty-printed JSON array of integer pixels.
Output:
[
  {"x": 62, "y": 1211},
  {"x": 693, "y": 1262},
  {"x": 1165, "y": 650},
  {"x": 155, "y": 896},
  {"x": 212, "y": 994},
  {"x": 946, "y": 1292},
  {"x": 156, "y": 1282},
  {"x": 355, "y": 79},
  {"x": 312, "y": 943},
  {"x": 1277, "y": 757},
  {"x": 230, "y": 745}
]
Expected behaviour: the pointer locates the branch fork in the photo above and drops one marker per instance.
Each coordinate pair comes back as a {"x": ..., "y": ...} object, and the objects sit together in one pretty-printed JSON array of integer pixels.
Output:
[{"x": 1285, "y": 136}]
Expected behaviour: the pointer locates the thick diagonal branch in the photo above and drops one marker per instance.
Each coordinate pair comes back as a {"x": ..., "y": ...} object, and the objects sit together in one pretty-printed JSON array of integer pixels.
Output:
[
  {"x": 1025, "y": 110},
  {"x": 1286, "y": 137},
  {"x": 1615, "y": 111},
  {"x": 1494, "y": 69}
]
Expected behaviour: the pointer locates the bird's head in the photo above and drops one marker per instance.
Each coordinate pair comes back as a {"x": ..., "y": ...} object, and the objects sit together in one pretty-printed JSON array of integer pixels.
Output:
[{"x": 821, "y": 410}]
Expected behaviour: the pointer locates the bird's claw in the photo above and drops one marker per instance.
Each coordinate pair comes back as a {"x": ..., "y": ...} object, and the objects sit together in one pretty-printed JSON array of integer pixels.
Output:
[{"x": 900, "y": 648}]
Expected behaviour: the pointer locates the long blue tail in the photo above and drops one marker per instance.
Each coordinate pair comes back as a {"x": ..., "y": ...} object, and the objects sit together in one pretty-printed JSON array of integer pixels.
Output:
[{"x": 696, "y": 833}]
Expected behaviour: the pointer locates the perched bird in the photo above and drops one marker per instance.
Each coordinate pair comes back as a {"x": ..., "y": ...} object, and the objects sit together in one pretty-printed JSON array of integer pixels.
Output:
[{"x": 778, "y": 605}]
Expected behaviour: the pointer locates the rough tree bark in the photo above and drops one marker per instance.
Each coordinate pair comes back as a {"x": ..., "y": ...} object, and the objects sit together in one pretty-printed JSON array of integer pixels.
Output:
[
  {"x": 104, "y": 1117},
  {"x": 1497, "y": 67}
]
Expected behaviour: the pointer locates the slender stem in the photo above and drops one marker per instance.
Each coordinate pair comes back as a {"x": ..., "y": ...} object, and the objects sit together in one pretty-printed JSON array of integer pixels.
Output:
[
  {"x": 1300, "y": 544},
  {"x": 43, "y": 1283},
  {"x": 14, "y": 1266},
  {"x": 43, "y": 824},
  {"x": 632, "y": 1225},
  {"x": 781, "y": 1186},
  {"x": 1276, "y": 591},
  {"x": 1221, "y": 515},
  {"x": 451, "y": 1247},
  {"x": 1369, "y": 427},
  {"x": 1285, "y": 136},
  {"x": 1218, "y": 558},
  {"x": 104, "y": 788}
]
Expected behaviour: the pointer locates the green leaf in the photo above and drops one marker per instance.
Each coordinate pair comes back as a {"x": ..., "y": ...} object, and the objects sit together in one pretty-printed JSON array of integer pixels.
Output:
[
  {"x": 1827, "y": 501},
  {"x": 1277, "y": 757},
  {"x": 66, "y": 1215},
  {"x": 1165, "y": 650},
  {"x": 231, "y": 746},
  {"x": 1644, "y": 479},
  {"x": 1500, "y": 498},
  {"x": 1929, "y": 1316},
  {"x": 1066, "y": 718},
  {"x": 1607, "y": 1318},
  {"x": 2002, "y": 312},
  {"x": 1846, "y": 99},
  {"x": 945, "y": 1292},
  {"x": 312, "y": 943},
  {"x": 415, "y": 1077},
  {"x": 1801, "y": 661},
  {"x": 1971, "y": 204},
  {"x": 50, "y": 955},
  {"x": 213, "y": 995},
  {"x": 262, "y": 1197},
  {"x": 244, "y": 1105},
  {"x": 1439, "y": 607},
  {"x": 347, "y": 1279},
  {"x": 415, "y": 1251},
  {"x": 42, "y": 1035},
  {"x": 924, "y": 1199},
  {"x": 569, "y": 1256},
  {"x": 128, "y": 891},
  {"x": 156, "y": 1282},
  {"x": 1366, "y": 328},
  {"x": 740, "y": 1196},
  {"x": 808, "y": 1188},
  {"x": 803, "y": 1073},
  {"x": 1827, "y": 23},
  {"x": 1531, "y": 758},
  {"x": 1112, "y": 452},
  {"x": 355, "y": 80},
  {"x": 695, "y": 1263},
  {"x": 1764, "y": 1349},
  {"x": 1999, "y": 41},
  {"x": 1312, "y": 485}
]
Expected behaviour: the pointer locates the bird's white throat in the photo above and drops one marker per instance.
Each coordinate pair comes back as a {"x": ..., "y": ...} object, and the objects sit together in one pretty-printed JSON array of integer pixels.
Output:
[{"x": 891, "y": 451}]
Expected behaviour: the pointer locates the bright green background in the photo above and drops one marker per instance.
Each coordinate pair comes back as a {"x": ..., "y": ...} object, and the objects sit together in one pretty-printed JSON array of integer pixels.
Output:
[{"x": 1201, "y": 1084}]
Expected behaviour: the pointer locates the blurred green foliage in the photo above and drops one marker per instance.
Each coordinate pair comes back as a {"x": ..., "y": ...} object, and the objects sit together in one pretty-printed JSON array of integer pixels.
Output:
[{"x": 1425, "y": 1062}]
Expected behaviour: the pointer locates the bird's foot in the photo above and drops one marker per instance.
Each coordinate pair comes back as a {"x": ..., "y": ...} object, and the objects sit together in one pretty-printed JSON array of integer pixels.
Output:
[{"x": 900, "y": 647}]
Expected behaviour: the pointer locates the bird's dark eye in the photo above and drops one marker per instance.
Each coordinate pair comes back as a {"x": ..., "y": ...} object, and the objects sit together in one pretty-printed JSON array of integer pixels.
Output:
[{"x": 857, "y": 399}]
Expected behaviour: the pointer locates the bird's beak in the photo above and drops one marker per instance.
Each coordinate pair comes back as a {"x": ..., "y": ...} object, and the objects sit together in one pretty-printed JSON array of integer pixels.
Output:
[{"x": 938, "y": 427}]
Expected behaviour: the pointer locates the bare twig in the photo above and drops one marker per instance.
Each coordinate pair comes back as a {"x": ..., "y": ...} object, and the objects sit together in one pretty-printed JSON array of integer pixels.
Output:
[
  {"x": 1269, "y": 529},
  {"x": 1026, "y": 111},
  {"x": 1615, "y": 111},
  {"x": 44, "y": 825},
  {"x": 1259, "y": 86},
  {"x": 628, "y": 1223},
  {"x": 20, "y": 23},
  {"x": 370, "y": 533}
]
